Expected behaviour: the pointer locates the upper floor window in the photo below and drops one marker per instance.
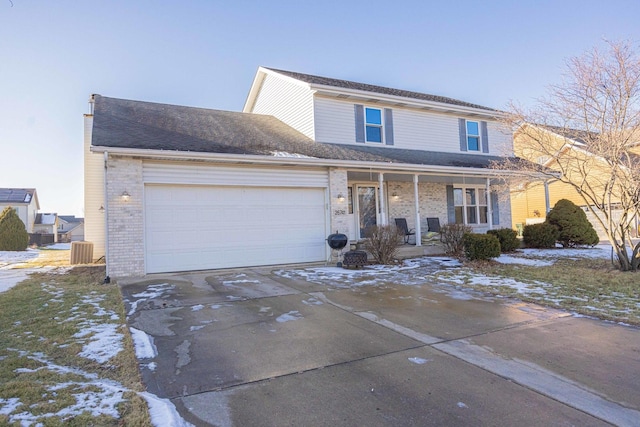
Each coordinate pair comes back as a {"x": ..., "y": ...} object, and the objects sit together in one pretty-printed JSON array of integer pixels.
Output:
[
  {"x": 473, "y": 136},
  {"x": 373, "y": 124}
]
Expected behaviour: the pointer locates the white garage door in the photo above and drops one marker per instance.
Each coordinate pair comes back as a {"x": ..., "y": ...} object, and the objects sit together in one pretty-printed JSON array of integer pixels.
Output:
[{"x": 205, "y": 227}]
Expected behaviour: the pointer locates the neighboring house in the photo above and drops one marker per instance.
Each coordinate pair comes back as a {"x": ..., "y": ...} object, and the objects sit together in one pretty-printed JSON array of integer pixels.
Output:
[
  {"x": 46, "y": 223},
  {"x": 531, "y": 202},
  {"x": 70, "y": 228},
  {"x": 24, "y": 201},
  {"x": 172, "y": 188}
]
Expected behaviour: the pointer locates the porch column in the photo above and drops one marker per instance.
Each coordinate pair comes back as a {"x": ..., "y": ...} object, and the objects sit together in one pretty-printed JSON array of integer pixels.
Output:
[
  {"x": 547, "y": 203},
  {"x": 383, "y": 210},
  {"x": 489, "y": 205},
  {"x": 417, "y": 203}
]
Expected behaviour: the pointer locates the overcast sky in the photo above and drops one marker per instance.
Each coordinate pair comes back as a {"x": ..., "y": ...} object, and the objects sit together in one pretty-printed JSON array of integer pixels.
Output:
[{"x": 54, "y": 54}]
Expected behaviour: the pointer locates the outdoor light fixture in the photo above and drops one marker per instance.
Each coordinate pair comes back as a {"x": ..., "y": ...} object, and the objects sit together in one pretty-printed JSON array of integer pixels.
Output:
[
  {"x": 395, "y": 196},
  {"x": 101, "y": 209},
  {"x": 125, "y": 196},
  {"x": 340, "y": 197}
]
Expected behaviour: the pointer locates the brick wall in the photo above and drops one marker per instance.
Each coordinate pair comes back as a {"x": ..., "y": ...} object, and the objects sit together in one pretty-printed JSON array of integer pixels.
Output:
[
  {"x": 433, "y": 202},
  {"x": 125, "y": 224},
  {"x": 338, "y": 208}
]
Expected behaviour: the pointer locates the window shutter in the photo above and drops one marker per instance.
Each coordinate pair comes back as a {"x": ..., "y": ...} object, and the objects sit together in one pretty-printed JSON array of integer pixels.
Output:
[
  {"x": 485, "y": 137},
  {"x": 359, "y": 109},
  {"x": 451, "y": 209},
  {"x": 495, "y": 208},
  {"x": 462, "y": 128},
  {"x": 388, "y": 126}
]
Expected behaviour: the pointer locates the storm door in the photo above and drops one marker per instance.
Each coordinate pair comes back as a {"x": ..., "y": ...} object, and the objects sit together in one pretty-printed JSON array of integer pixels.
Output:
[{"x": 367, "y": 208}]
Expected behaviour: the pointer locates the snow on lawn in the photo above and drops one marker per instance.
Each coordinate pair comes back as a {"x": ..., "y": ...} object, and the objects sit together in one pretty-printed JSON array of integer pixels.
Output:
[
  {"x": 546, "y": 257},
  {"x": 411, "y": 272},
  {"x": 101, "y": 333},
  {"x": 98, "y": 396},
  {"x": 9, "y": 258},
  {"x": 92, "y": 394}
]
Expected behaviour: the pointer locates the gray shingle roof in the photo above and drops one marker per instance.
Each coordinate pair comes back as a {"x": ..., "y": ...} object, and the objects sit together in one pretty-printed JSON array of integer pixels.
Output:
[
  {"x": 123, "y": 123},
  {"x": 16, "y": 195},
  {"x": 346, "y": 84}
]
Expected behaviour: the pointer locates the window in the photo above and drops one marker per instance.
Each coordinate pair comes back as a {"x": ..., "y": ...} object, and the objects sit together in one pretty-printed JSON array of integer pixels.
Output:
[
  {"x": 473, "y": 136},
  {"x": 373, "y": 124},
  {"x": 470, "y": 206}
]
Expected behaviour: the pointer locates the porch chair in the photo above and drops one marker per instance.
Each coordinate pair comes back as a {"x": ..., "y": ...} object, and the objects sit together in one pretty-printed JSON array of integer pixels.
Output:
[
  {"x": 433, "y": 224},
  {"x": 401, "y": 224}
]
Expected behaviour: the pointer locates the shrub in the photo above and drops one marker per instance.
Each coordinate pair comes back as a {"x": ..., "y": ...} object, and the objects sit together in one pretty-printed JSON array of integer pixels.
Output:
[
  {"x": 451, "y": 236},
  {"x": 508, "y": 239},
  {"x": 481, "y": 246},
  {"x": 13, "y": 234},
  {"x": 573, "y": 226},
  {"x": 541, "y": 235},
  {"x": 382, "y": 243}
]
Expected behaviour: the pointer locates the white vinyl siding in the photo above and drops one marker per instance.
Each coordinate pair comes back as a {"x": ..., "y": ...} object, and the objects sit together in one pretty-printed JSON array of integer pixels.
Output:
[
  {"x": 189, "y": 173},
  {"x": 500, "y": 140},
  {"x": 94, "y": 228},
  {"x": 413, "y": 129},
  {"x": 289, "y": 102},
  {"x": 335, "y": 121}
]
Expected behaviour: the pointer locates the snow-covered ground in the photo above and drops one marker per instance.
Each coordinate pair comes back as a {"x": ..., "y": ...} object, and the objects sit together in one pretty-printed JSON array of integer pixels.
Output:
[
  {"x": 13, "y": 263},
  {"x": 101, "y": 336}
]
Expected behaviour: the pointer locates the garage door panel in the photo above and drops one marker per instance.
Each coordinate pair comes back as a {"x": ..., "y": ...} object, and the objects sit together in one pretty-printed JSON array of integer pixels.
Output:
[{"x": 205, "y": 227}]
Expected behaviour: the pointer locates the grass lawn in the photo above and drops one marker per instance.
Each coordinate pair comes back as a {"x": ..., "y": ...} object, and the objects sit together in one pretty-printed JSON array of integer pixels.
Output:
[
  {"x": 586, "y": 286},
  {"x": 66, "y": 357}
]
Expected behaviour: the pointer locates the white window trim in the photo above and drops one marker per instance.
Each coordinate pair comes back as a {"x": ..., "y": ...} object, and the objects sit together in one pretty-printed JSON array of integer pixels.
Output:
[
  {"x": 477, "y": 205},
  {"x": 479, "y": 136},
  {"x": 380, "y": 126}
]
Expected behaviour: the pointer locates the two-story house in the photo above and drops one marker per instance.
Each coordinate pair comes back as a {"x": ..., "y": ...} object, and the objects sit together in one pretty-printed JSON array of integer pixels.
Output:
[
  {"x": 24, "y": 201},
  {"x": 172, "y": 188}
]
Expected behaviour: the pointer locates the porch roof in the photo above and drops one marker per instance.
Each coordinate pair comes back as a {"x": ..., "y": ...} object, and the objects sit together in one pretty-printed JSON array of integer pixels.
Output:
[{"x": 138, "y": 125}]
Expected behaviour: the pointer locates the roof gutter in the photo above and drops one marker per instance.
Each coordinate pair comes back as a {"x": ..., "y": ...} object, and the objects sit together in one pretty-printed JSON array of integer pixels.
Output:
[{"x": 296, "y": 161}]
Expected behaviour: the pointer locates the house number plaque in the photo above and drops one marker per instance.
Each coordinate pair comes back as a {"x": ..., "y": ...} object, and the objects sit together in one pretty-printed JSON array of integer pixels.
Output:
[{"x": 339, "y": 212}]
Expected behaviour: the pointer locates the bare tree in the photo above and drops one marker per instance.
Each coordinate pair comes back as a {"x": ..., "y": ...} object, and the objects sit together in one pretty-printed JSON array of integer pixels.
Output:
[{"x": 586, "y": 134}]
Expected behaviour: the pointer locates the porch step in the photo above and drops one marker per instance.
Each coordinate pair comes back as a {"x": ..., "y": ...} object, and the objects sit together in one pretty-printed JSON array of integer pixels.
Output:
[{"x": 412, "y": 251}]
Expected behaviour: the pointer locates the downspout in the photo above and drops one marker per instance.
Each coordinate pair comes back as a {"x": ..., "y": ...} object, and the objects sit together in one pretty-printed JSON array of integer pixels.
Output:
[{"x": 107, "y": 279}]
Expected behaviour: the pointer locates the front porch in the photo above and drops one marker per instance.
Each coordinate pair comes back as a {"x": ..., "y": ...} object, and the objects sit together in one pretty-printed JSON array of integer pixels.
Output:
[{"x": 364, "y": 199}]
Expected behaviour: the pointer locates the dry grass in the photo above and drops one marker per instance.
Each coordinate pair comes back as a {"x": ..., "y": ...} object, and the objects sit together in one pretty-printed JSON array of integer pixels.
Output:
[
  {"x": 39, "y": 349},
  {"x": 590, "y": 287}
]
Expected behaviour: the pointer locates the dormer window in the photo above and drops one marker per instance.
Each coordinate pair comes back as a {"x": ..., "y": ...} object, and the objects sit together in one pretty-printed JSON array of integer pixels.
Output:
[{"x": 373, "y": 124}]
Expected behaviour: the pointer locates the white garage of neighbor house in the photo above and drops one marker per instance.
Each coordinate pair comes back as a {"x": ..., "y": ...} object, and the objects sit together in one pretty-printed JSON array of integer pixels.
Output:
[{"x": 172, "y": 188}]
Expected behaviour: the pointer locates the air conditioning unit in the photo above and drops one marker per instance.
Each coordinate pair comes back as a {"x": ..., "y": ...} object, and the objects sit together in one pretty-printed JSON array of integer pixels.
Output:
[{"x": 81, "y": 253}]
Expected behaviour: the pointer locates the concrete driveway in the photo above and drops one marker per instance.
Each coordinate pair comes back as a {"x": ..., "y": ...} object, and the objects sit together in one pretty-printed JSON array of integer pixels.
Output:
[{"x": 270, "y": 347}]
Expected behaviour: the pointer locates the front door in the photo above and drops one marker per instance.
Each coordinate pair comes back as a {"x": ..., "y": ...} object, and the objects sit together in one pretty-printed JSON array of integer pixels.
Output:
[{"x": 367, "y": 208}]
